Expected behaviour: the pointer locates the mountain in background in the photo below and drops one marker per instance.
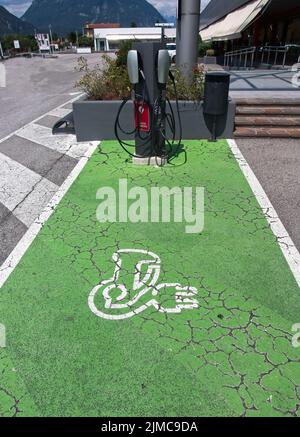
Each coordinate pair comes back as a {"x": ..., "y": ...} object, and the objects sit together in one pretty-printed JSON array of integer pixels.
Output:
[
  {"x": 170, "y": 19},
  {"x": 71, "y": 15},
  {"x": 9, "y": 24}
]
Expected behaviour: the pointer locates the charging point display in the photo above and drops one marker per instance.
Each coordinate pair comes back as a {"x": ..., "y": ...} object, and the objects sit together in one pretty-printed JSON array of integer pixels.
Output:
[{"x": 142, "y": 117}]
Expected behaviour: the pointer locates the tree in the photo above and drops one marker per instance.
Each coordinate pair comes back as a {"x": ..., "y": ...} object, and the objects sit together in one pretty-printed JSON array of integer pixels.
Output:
[
  {"x": 55, "y": 36},
  {"x": 122, "y": 54},
  {"x": 27, "y": 43},
  {"x": 72, "y": 37},
  {"x": 85, "y": 41},
  {"x": 203, "y": 47},
  {"x": 133, "y": 24}
]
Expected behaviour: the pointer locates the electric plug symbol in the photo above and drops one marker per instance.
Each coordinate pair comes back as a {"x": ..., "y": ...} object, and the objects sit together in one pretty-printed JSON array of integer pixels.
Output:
[{"x": 112, "y": 299}]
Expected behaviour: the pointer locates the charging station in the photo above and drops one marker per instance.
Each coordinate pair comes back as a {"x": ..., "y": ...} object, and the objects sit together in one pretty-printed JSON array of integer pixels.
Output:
[
  {"x": 148, "y": 118},
  {"x": 150, "y": 98},
  {"x": 148, "y": 69}
]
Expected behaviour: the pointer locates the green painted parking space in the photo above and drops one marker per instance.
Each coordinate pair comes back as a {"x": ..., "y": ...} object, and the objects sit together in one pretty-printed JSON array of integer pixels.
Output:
[{"x": 206, "y": 328}]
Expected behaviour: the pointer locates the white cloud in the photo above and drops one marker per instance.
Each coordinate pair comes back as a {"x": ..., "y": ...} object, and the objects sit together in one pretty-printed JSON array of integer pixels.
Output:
[
  {"x": 16, "y": 7},
  {"x": 166, "y": 7}
]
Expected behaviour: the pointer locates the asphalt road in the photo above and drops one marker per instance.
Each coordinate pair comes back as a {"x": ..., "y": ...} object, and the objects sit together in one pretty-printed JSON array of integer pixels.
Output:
[
  {"x": 276, "y": 164},
  {"x": 36, "y": 86}
]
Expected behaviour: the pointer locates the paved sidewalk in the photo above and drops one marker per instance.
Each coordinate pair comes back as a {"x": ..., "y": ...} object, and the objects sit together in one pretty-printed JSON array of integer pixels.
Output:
[
  {"x": 276, "y": 163},
  {"x": 263, "y": 84}
]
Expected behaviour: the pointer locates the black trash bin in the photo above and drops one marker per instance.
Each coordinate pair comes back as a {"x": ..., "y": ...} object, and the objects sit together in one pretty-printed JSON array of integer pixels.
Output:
[{"x": 216, "y": 96}]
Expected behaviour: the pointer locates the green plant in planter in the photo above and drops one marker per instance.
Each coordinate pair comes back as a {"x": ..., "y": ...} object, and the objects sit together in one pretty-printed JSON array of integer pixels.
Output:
[
  {"x": 192, "y": 90},
  {"x": 122, "y": 53},
  {"x": 103, "y": 82},
  {"x": 111, "y": 82},
  {"x": 108, "y": 81}
]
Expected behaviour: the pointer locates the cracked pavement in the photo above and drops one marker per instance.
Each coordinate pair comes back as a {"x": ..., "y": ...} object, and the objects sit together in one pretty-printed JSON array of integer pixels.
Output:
[{"x": 232, "y": 356}]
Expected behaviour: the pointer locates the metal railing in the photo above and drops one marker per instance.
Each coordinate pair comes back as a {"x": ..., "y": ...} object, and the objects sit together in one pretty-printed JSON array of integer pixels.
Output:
[
  {"x": 243, "y": 58},
  {"x": 272, "y": 56},
  {"x": 276, "y": 55}
]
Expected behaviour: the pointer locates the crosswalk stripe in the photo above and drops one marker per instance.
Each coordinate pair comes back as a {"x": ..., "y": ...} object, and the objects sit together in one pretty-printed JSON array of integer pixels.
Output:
[
  {"x": 11, "y": 232},
  {"x": 23, "y": 191},
  {"x": 60, "y": 112},
  {"x": 16, "y": 255},
  {"x": 48, "y": 121},
  {"x": 42, "y": 160},
  {"x": 65, "y": 144}
]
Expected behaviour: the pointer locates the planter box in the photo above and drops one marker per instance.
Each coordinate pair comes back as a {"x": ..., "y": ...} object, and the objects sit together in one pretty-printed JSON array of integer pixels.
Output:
[
  {"x": 208, "y": 60},
  {"x": 95, "y": 120}
]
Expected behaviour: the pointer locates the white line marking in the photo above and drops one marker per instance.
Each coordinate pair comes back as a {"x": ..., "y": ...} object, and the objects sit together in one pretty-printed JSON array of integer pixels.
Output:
[
  {"x": 285, "y": 242},
  {"x": 14, "y": 258}
]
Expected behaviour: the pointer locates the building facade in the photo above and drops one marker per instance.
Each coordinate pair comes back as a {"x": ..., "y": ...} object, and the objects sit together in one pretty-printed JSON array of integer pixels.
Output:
[
  {"x": 109, "y": 39},
  {"x": 89, "y": 28},
  {"x": 237, "y": 24}
]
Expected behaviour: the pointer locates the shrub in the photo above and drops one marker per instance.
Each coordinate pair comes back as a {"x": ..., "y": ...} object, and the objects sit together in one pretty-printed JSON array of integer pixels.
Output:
[
  {"x": 203, "y": 47},
  {"x": 123, "y": 52},
  {"x": 110, "y": 80},
  {"x": 187, "y": 90},
  {"x": 210, "y": 52},
  {"x": 27, "y": 43},
  {"x": 85, "y": 41},
  {"x": 104, "y": 82}
]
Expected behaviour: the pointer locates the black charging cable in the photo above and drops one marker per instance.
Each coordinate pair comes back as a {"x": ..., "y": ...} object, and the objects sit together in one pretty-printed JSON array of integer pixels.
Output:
[
  {"x": 137, "y": 130},
  {"x": 171, "y": 75},
  {"x": 160, "y": 116}
]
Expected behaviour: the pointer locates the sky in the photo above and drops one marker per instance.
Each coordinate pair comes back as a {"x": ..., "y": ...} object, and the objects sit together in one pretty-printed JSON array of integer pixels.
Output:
[{"x": 166, "y": 7}]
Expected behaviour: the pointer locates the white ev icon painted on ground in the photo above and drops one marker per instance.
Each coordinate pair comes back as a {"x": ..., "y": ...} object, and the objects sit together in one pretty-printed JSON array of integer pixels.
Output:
[{"x": 112, "y": 299}]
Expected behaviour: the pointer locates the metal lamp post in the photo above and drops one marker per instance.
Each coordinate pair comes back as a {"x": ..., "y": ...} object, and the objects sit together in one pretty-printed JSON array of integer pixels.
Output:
[
  {"x": 51, "y": 39},
  {"x": 1, "y": 51},
  {"x": 188, "y": 24}
]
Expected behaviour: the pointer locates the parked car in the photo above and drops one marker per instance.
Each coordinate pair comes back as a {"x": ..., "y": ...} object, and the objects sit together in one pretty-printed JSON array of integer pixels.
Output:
[{"x": 171, "y": 47}]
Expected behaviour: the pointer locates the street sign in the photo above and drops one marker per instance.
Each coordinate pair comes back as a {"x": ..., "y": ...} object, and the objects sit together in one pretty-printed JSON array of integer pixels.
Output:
[
  {"x": 164, "y": 25},
  {"x": 16, "y": 44},
  {"x": 43, "y": 41}
]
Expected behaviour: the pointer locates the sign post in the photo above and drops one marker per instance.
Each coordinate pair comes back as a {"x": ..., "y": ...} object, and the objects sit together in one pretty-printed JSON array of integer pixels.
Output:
[
  {"x": 43, "y": 41},
  {"x": 51, "y": 39},
  {"x": 163, "y": 26},
  {"x": 17, "y": 44}
]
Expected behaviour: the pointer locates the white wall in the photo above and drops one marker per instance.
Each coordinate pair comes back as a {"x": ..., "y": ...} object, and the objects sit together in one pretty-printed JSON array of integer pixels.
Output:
[{"x": 113, "y": 36}]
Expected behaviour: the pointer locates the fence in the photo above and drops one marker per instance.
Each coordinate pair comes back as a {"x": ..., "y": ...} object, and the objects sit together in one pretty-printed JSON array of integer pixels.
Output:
[
  {"x": 243, "y": 58},
  {"x": 271, "y": 56}
]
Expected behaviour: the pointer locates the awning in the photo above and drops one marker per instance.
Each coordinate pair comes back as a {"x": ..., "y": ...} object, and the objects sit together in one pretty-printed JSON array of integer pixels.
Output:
[{"x": 231, "y": 26}]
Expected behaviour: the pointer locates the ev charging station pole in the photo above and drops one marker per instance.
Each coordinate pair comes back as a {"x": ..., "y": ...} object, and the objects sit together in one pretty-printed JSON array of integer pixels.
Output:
[{"x": 188, "y": 24}]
